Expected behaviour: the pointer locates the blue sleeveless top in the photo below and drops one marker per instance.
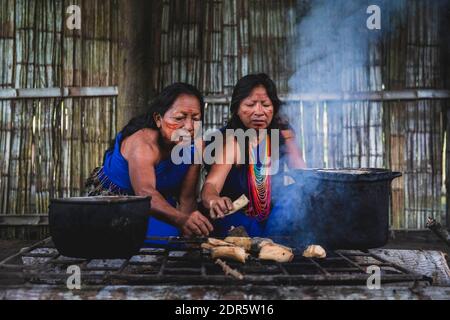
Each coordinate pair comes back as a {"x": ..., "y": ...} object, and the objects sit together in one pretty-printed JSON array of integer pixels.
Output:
[{"x": 169, "y": 177}]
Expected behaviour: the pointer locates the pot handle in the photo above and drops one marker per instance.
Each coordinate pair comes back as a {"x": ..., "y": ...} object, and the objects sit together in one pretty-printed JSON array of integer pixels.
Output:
[{"x": 396, "y": 174}]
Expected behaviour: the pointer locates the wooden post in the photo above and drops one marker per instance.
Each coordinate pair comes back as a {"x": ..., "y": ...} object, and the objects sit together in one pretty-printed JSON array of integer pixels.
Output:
[
  {"x": 447, "y": 165},
  {"x": 445, "y": 40},
  {"x": 134, "y": 71}
]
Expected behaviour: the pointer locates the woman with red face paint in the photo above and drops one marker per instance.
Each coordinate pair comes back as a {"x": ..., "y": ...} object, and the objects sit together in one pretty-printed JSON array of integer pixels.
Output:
[
  {"x": 139, "y": 163},
  {"x": 254, "y": 105}
]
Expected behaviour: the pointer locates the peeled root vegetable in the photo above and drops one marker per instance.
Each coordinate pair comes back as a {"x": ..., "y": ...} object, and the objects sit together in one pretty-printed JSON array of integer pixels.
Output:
[
  {"x": 315, "y": 251},
  {"x": 274, "y": 252},
  {"x": 243, "y": 242},
  {"x": 258, "y": 243},
  {"x": 234, "y": 253},
  {"x": 218, "y": 243}
]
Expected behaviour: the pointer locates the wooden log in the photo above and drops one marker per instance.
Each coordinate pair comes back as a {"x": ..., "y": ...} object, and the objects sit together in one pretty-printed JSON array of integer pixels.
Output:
[{"x": 429, "y": 263}]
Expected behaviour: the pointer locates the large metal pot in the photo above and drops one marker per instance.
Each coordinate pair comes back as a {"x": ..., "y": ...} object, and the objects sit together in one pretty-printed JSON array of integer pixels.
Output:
[
  {"x": 99, "y": 227},
  {"x": 343, "y": 208}
]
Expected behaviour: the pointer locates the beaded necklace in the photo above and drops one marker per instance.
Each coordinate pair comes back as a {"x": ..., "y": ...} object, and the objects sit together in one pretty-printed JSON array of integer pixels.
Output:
[{"x": 259, "y": 183}]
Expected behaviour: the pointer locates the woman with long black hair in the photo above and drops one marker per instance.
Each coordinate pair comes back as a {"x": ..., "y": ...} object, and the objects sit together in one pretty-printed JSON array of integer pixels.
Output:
[
  {"x": 139, "y": 163},
  {"x": 254, "y": 105}
]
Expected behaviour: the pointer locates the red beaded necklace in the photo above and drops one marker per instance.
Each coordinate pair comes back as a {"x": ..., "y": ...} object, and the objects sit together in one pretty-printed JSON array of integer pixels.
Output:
[{"x": 259, "y": 182}]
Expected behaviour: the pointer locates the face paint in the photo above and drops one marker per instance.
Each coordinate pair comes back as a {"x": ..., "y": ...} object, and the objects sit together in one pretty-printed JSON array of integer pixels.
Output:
[
  {"x": 172, "y": 126},
  {"x": 256, "y": 111},
  {"x": 179, "y": 118}
]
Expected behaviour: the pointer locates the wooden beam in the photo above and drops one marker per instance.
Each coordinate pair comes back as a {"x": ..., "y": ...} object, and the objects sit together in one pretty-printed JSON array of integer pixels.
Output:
[
  {"x": 66, "y": 92},
  {"x": 12, "y": 220},
  {"x": 34, "y": 93},
  {"x": 8, "y": 94},
  {"x": 93, "y": 92},
  {"x": 397, "y": 95},
  {"x": 70, "y": 92}
]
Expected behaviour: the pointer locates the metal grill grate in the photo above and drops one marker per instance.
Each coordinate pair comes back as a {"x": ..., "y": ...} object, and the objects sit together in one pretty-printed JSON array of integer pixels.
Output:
[{"x": 42, "y": 264}]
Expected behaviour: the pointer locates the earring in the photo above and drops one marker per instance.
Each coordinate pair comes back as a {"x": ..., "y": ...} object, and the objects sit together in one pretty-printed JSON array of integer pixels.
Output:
[{"x": 158, "y": 123}]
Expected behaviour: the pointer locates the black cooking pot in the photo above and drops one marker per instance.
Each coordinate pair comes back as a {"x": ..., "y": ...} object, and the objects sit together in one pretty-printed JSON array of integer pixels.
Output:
[
  {"x": 99, "y": 227},
  {"x": 341, "y": 208}
]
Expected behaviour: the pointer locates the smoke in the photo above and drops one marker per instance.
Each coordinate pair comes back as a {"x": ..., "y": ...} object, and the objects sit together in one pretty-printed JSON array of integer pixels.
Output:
[
  {"x": 336, "y": 51},
  {"x": 335, "y": 46},
  {"x": 333, "y": 51},
  {"x": 289, "y": 222}
]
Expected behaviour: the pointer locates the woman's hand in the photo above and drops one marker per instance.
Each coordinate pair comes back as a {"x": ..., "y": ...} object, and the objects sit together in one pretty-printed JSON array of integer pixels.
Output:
[
  {"x": 219, "y": 207},
  {"x": 196, "y": 224}
]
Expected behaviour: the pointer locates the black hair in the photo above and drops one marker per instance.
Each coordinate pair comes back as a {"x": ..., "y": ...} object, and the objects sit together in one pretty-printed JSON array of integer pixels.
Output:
[
  {"x": 160, "y": 105},
  {"x": 243, "y": 89}
]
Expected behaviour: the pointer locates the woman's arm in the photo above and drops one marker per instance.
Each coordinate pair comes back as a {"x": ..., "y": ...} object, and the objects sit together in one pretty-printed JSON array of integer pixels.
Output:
[
  {"x": 295, "y": 156},
  {"x": 141, "y": 161},
  {"x": 142, "y": 158},
  {"x": 188, "y": 200},
  {"x": 211, "y": 199},
  {"x": 225, "y": 158}
]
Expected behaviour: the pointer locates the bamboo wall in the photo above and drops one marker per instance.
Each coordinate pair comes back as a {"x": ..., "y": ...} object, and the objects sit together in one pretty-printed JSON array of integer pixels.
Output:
[
  {"x": 406, "y": 136},
  {"x": 48, "y": 146},
  {"x": 213, "y": 43},
  {"x": 415, "y": 140}
]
